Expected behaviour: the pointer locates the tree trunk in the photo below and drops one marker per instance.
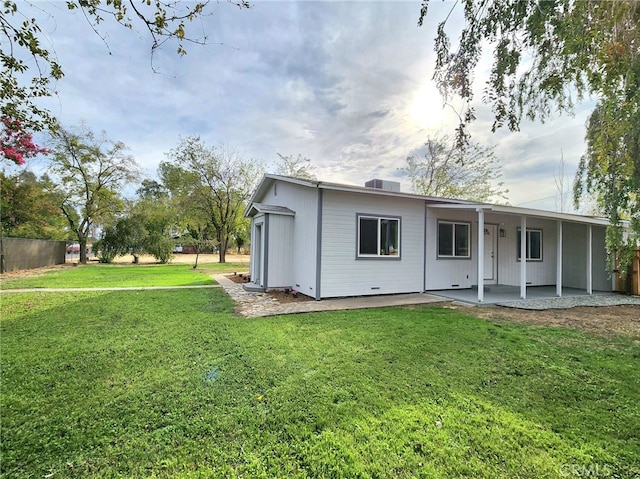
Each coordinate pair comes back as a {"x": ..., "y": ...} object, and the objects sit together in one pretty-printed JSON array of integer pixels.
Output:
[
  {"x": 83, "y": 250},
  {"x": 222, "y": 248}
]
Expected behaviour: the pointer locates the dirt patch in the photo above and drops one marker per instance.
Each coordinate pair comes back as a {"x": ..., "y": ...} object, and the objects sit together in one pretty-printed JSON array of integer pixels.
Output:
[
  {"x": 279, "y": 295},
  {"x": 23, "y": 273},
  {"x": 283, "y": 298},
  {"x": 602, "y": 320},
  {"x": 239, "y": 277}
]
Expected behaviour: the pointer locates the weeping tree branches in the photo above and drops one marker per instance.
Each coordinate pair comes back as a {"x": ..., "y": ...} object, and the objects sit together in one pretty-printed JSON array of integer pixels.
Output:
[{"x": 546, "y": 57}]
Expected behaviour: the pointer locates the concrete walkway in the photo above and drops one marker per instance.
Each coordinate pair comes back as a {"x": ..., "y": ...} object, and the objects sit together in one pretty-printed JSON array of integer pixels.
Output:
[
  {"x": 115, "y": 288},
  {"x": 252, "y": 304}
]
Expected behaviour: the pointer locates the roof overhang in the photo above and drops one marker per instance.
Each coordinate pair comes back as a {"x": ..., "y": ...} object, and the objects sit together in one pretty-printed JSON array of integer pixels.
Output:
[
  {"x": 261, "y": 208},
  {"x": 431, "y": 202},
  {"x": 517, "y": 211}
]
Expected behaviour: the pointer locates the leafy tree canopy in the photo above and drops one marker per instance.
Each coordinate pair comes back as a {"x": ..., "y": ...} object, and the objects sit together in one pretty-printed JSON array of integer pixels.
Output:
[
  {"x": 212, "y": 185},
  {"x": 90, "y": 172},
  {"x": 28, "y": 209},
  {"x": 546, "y": 57}
]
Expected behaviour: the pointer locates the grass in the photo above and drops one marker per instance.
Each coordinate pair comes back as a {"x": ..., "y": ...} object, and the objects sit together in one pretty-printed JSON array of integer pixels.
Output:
[
  {"x": 96, "y": 276},
  {"x": 171, "y": 384}
]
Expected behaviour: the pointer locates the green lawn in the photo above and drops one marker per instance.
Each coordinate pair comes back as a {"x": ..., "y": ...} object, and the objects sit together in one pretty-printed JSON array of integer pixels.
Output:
[
  {"x": 105, "y": 276},
  {"x": 172, "y": 384}
]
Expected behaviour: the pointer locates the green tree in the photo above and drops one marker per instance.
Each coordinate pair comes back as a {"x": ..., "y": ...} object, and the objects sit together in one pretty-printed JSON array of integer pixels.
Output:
[
  {"x": 30, "y": 68},
  {"x": 192, "y": 224},
  {"x": 127, "y": 236},
  {"x": 546, "y": 56},
  {"x": 298, "y": 167},
  {"x": 242, "y": 234},
  {"x": 28, "y": 209},
  {"x": 156, "y": 215},
  {"x": 151, "y": 190},
  {"x": 216, "y": 182},
  {"x": 90, "y": 172},
  {"x": 470, "y": 173}
]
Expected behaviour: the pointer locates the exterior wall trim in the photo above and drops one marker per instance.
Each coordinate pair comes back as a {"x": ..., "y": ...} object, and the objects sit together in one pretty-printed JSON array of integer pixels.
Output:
[{"x": 319, "y": 247}]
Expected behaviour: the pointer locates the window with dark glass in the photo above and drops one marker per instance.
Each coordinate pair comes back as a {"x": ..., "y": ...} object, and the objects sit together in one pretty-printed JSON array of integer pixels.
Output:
[
  {"x": 533, "y": 245},
  {"x": 454, "y": 240},
  {"x": 378, "y": 236}
]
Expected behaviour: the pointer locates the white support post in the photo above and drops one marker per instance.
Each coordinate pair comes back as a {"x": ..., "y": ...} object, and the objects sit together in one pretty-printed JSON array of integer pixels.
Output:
[
  {"x": 523, "y": 257},
  {"x": 480, "y": 255},
  {"x": 589, "y": 259},
  {"x": 559, "y": 260}
]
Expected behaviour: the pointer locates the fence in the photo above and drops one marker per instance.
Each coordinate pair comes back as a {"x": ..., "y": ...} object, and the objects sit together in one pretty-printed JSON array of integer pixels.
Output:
[
  {"x": 631, "y": 283},
  {"x": 21, "y": 253}
]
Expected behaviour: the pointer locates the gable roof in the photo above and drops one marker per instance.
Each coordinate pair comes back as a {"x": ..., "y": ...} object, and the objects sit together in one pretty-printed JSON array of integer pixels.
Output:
[
  {"x": 432, "y": 201},
  {"x": 269, "y": 179},
  {"x": 255, "y": 208}
]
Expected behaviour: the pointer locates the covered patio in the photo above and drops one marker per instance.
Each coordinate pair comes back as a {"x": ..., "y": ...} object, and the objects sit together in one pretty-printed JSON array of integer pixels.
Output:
[
  {"x": 500, "y": 294},
  {"x": 573, "y": 264}
]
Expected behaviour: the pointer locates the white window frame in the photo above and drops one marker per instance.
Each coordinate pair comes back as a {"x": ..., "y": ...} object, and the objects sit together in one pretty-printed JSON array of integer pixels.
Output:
[
  {"x": 379, "y": 254},
  {"x": 528, "y": 246},
  {"x": 453, "y": 254}
]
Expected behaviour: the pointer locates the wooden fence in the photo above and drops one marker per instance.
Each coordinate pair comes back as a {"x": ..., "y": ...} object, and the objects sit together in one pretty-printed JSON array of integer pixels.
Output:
[
  {"x": 21, "y": 253},
  {"x": 630, "y": 284}
]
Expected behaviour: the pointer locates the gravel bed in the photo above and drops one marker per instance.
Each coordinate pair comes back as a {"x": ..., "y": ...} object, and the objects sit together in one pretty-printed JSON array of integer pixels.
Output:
[{"x": 572, "y": 302}]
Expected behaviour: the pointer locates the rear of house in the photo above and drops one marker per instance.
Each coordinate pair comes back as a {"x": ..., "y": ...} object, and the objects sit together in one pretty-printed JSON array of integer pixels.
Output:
[{"x": 329, "y": 240}]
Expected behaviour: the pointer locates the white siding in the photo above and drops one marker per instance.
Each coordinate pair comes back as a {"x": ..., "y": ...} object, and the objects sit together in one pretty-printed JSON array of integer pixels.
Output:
[
  {"x": 295, "y": 261},
  {"x": 539, "y": 273},
  {"x": 444, "y": 273},
  {"x": 280, "y": 252},
  {"x": 344, "y": 275},
  {"x": 574, "y": 255},
  {"x": 303, "y": 239}
]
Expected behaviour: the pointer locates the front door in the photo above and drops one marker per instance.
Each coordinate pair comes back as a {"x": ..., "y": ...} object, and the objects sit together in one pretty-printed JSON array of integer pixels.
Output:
[{"x": 490, "y": 254}]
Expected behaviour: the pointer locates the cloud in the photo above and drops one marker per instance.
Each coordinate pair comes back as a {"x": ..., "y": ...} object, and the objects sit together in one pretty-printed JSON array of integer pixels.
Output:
[{"x": 346, "y": 84}]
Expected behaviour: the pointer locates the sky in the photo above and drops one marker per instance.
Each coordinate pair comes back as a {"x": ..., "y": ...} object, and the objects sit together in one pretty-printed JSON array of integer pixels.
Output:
[{"x": 346, "y": 84}]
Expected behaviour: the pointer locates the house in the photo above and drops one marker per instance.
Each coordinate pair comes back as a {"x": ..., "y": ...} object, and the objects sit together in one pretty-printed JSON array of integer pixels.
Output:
[{"x": 332, "y": 240}]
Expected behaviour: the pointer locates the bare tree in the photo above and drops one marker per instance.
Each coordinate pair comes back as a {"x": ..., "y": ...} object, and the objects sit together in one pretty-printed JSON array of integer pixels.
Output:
[
  {"x": 445, "y": 170},
  {"x": 299, "y": 167},
  {"x": 562, "y": 192}
]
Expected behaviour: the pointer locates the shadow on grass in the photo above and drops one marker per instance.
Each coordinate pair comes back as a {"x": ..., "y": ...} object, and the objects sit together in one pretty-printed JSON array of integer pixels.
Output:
[{"x": 122, "y": 384}]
